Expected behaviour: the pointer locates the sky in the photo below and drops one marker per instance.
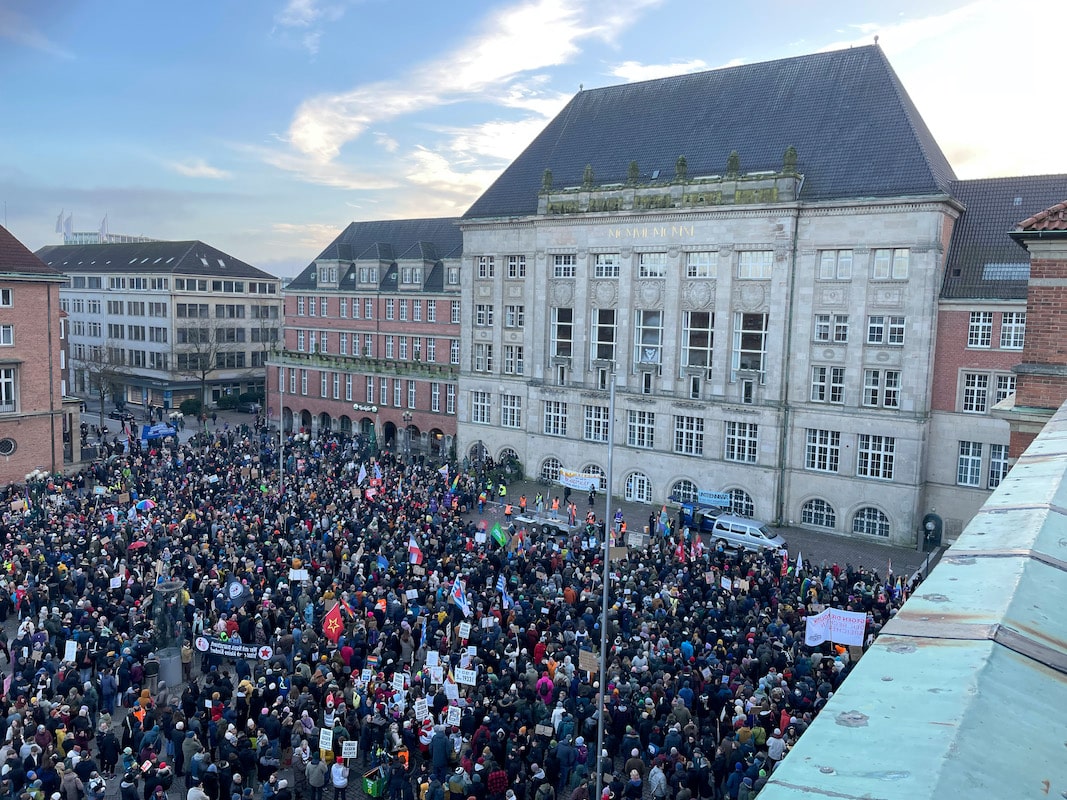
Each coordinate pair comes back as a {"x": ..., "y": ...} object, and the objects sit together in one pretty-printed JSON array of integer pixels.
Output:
[{"x": 264, "y": 127}]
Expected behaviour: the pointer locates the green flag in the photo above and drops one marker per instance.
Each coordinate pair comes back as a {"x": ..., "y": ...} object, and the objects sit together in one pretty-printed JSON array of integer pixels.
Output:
[{"x": 498, "y": 534}]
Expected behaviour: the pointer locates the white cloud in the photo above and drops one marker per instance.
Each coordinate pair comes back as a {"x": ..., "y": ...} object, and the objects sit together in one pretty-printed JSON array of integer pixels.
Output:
[
  {"x": 308, "y": 236},
  {"x": 18, "y": 29},
  {"x": 631, "y": 71},
  {"x": 520, "y": 39},
  {"x": 308, "y": 16},
  {"x": 198, "y": 168},
  {"x": 987, "y": 106}
]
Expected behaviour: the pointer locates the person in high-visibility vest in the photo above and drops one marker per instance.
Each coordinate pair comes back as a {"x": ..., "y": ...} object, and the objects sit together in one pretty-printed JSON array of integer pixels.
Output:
[
  {"x": 522, "y": 504},
  {"x": 507, "y": 511},
  {"x": 555, "y": 507}
]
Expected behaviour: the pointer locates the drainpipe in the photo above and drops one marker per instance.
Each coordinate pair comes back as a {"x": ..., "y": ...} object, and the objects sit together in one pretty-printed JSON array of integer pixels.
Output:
[
  {"x": 783, "y": 428},
  {"x": 52, "y": 383}
]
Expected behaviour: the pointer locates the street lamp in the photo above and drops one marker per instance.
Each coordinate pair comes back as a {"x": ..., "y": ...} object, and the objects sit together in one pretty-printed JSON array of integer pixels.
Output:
[
  {"x": 605, "y": 578},
  {"x": 407, "y": 416}
]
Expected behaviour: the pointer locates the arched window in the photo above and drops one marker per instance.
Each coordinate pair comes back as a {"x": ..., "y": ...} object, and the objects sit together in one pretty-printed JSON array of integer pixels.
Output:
[
  {"x": 550, "y": 468},
  {"x": 593, "y": 469},
  {"x": 684, "y": 490},
  {"x": 506, "y": 455},
  {"x": 741, "y": 504},
  {"x": 819, "y": 513},
  {"x": 871, "y": 521},
  {"x": 638, "y": 488}
]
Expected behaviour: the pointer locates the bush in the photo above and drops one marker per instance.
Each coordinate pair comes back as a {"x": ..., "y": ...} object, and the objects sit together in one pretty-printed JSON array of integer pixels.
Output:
[
  {"x": 227, "y": 402},
  {"x": 251, "y": 397},
  {"x": 191, "y": 407}
]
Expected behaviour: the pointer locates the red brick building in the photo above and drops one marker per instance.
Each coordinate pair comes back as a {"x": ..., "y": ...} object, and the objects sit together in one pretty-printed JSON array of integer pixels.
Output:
[
  {"x": 34, "y": 422},
  {"x": 1042, "y": 371},
  {"x": 371, "y": 337}
]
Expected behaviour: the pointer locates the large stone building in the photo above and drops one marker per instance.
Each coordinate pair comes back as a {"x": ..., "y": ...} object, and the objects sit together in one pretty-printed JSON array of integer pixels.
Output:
[
  {"x": 38, "y": 426},
  {"x": 159, "y": 322},
  {"x": 754, "y": 257},
  {"x": 372, "y": 331}
]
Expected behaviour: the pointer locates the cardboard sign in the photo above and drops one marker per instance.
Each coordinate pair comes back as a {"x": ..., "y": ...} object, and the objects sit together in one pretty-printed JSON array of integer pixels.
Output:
[
  {"x": 453, "y": 717},
  {"x": 326, "y": 739},
  {"x": 587, "y": 661},
  {"x": 412, "y": 594},
  {"x": 422, "y": 711},
  {"x": 433, "y": 658},
  {"x": 464, "y": 630},
  {"x": 418, "y": 569},
  {"x": 467, "y": 676},
  {"x": 298, "y": 575},
  {"x": 543, "y": 730},
  {"x": 350, "y": 748},
  {"x": 18, "y": 505},
  {"x": 617, "y": 553},
  {"x": 124, "y": 497},
  {"x": 635, "y": 539},
  {"x": 70, "y": 651}
]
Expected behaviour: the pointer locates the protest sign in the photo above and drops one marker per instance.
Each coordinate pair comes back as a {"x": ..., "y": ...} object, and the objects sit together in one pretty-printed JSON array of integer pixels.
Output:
[
  {"x": 835, "y": 625},
  {"x": 464, "y": 630},
  {"x": 587, "y": 661},
  {"x": 350, "y": 748},
  {"x": 454, "y": 715},
  {"x": 467, "y": 676},
  {"x": 326, "y": 739}
]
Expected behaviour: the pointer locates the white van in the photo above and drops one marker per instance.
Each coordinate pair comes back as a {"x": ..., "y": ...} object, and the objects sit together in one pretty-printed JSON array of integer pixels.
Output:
[{"x": 750, "y": 534}]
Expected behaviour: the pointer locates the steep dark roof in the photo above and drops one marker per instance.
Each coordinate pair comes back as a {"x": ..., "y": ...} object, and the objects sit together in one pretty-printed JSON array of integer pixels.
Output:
[
  {"x": 157, "y": 258},
  {"x": 983, "y": 261},
  {"x": 1051, "y": 219},
  {"x": 855, "y": 129},
  {"x": 16, "y": 258},
  {"x": 430, "y": 239}
]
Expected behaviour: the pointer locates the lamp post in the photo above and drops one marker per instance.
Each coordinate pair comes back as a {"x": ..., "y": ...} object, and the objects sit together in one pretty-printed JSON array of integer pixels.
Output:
[
  {"x": 407, "y": 416},
  {"x": 605, "y": 578}
]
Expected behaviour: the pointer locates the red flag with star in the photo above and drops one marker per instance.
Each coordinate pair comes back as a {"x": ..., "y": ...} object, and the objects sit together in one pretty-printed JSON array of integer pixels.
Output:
[{"x": 333, "y": 624}]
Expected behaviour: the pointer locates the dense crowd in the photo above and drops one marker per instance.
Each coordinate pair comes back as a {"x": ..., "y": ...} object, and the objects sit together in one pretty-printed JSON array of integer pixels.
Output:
[{"x": 448, "y": 649}]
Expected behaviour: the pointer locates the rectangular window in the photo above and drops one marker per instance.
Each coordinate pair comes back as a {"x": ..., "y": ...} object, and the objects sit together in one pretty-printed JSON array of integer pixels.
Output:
[
  {"x": 454, "y": 319},
  {"x": 514, "y": 316},
  {"x": 303, "y": 381},
  {"x": 116, "y": 307},
  {"x": 980, "y": 330},
  {"x": 8, "y": 375},
  {"x": 323, "y": 341},
  {"x": 483, "y": 315},
  {"x": 876, "y": 456},
  {"x": 435, "y": 396},
  {"x": 975, "y": 392},
  {"x": 483, "y": 357},
  {"x": 416, "y": 311},
  {"x": 453, "y": 351},
  {"x": 648, "y": 336},
  {"x": 486, "y": 267},
  {"x": 348, "y": 386},
  {"x": 891, "y": 264},
  {"x": 1013, "y": 330},
  {"x": 7, "y": 298},
  {"x": 368, "y": 345},
  {"x": 396, "y": 392},
  {"x": 403, "y": 310},
  {"x": 563, "y": 265},
  {"x": 412, "y": 394},
  {"x": 998, "y": 464},
  {"x": 157, "y": 309},
  {"x": 595, "y": 428},
  {"x": 822, "y": 450},
  {"x": 652, "y": 265},
  {"x": 135, "y": 308},
  {"x": 431, "y": 350},
  {"x": 403, "y": 354},
  {"x": 7, "y": 335},
  {"x": 370, "y": 389},
  {"x": 1005, "y": 388},
  {"x": 292, "y": 381},
  {"x": 602, "y": 342},
  {"x": 368, "y": 308},
  {"x": 689, "y": 435},
  {"x": 641, "y": 429},
  {"x": 606, "y": 265},
  {"x": 698, "y": 337},
  {"x": 835, "y": 265},
  {"x": 480, "y": 407},
  {"x": 431, "y": 311},
  {"x": 342, "y": 343},
  {"x": 510, "y": 411},
  {"x": 562, "y": 331},
  {"x": 383, "y": 391},
  {"x": 750, "y": 341},
  {"x": 969, "y": 464},
  {"x": 881, "y": 387},
  {"x": 514, "y": 359},
  {"x": 827, "y": 384},
  {"x": 755, "y": 264},
  {"x": 336, "y": 385},
  {"x": 390, "y": 308},
  {"x": 742, "y": 442},
  {"x": 342, "y": 307},
  {"x": 313, "y": 307},
  {"x": 452, "y": 277},
  {"x": 516, "y": 267},
  {"x": 885, "y": 330},
  {"x": 555, "y": 418},
  {"x": 323, "y": 306},
  {"x": 700, "y": 264}
]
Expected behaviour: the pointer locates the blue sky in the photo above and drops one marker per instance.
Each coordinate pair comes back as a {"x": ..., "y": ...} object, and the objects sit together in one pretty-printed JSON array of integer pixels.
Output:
[{"x": 265, "y": 126}]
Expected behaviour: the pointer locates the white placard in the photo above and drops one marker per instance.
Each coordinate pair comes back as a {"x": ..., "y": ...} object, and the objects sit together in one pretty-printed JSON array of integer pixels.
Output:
[
  {"x": 350, "y": 748},
  {"x": 365, "y": 675},
  {"x": 298, "y": 575},
  {"x": 398, "y": 681},
  {"x": 464, "y": 630},
  {"x": 451, "y": 691},
  {"x": 467, "y": 676},
  {"x": 453, "y": 716},
  {"x": 472, "y": 651},
  {"x": 70, "y": 651},
  {"x": 480, "y": 537},
  {"x": 433, "y": 658},
  {"x": 116, "y": 582},
  {"x": 326, "y": 739},
  {"x": 412, "y": 594},
  {"x": 437, "y": 675},
  {"x": 726, "y": 583},
  {"x": 422, "y": 711}
]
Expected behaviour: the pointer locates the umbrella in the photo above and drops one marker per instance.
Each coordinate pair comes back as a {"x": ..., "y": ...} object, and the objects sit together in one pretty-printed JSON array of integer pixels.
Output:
[
  {"x": 137, "y": 545},
  {"x": 146, "y": 505}
]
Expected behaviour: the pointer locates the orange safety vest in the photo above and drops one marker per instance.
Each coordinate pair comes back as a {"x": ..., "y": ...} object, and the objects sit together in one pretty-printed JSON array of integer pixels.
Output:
[
  {"x": 555, "y": 504},
  {"x": 507, "y": 510}
]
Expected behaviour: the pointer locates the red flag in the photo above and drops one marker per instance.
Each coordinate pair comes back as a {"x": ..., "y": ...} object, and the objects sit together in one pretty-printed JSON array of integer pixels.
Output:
[
  {"x": 333, "y": 624},
  {"x": 785, "y": 564}
]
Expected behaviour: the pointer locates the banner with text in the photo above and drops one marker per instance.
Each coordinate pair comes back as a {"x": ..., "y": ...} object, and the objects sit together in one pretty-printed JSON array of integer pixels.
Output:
[
  {"x": 584, "y": 481},
  {"x": 835, "y": 625}
]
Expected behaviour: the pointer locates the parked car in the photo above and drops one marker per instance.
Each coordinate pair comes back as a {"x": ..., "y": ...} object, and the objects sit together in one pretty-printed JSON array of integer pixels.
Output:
[
  {"x": 741, "y": 532},
  {"x": 248, "y": 408},
  {"x": 125, "y": 416}
]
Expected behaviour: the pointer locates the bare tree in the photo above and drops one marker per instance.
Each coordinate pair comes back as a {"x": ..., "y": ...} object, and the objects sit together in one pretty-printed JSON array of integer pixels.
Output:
[
  {"x": 103, "y": 365},
  {"x": 196, "y": 351}
]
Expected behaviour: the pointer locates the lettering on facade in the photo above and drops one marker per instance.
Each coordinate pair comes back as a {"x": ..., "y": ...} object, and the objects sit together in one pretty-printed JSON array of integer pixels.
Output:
[{"x": 653, "y": 232}]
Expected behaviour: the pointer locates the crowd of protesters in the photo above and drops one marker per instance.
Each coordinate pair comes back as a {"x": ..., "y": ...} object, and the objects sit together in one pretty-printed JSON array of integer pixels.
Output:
[{"x": 450, "y": 653}]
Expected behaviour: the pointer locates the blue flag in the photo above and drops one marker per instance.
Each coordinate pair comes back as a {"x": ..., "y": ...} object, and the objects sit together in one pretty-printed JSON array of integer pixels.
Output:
[{"x": 383, "y": 562}]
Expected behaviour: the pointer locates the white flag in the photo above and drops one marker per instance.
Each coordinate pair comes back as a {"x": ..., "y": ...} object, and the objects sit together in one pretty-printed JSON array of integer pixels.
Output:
[
  {"x": 362, "y": 475},
  {"x": 59, "y": 223}
]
